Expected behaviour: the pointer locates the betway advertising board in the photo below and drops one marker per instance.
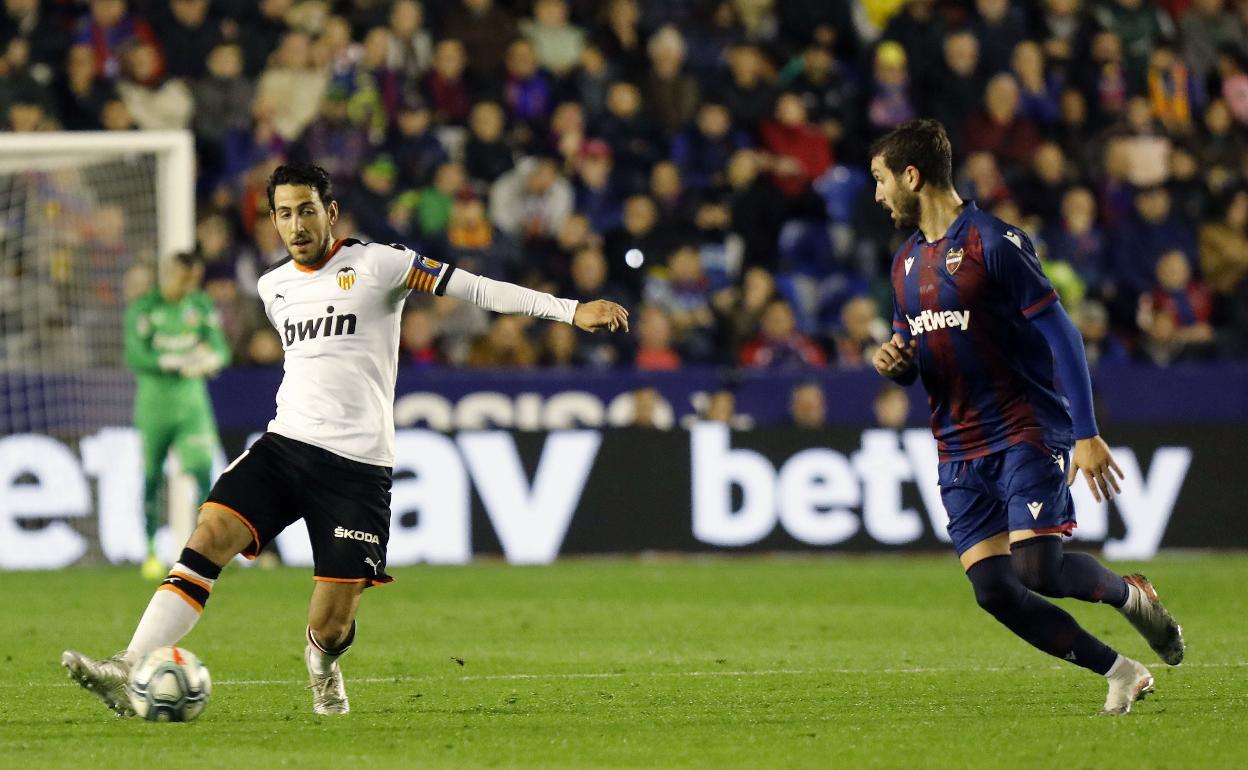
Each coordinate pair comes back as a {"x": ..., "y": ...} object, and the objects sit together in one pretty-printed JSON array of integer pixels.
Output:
[{"x": 532, "y": 496}]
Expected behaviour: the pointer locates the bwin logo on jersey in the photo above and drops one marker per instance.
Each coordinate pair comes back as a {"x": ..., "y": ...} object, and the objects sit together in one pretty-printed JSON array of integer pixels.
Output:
[
  {"x": 356, "y": 534},
  {"x": 329, "y": 325},
  {"x": 929, "y": 321}
]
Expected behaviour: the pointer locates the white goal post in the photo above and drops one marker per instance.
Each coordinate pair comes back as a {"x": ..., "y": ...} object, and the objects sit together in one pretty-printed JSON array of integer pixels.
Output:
[{"x": 80, "y": 214}]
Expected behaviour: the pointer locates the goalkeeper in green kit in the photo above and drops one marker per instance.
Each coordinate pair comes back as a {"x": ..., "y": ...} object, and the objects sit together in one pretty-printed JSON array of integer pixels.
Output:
[{"x": 174, "y": 340}]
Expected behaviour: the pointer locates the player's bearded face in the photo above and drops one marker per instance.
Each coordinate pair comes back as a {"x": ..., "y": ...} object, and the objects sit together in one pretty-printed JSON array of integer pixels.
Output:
[
  {"x": 894, "y": 195},
  {"x": 304, "y": 222}
]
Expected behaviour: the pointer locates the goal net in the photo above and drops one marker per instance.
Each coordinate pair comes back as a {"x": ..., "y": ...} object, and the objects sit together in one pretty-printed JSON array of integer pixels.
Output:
[{"x": 86, "y": 221}]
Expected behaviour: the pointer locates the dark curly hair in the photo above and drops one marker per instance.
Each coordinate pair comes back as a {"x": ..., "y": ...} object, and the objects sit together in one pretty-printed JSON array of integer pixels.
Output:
[
  {"x": 305, "y": 175},
  {"x": 920, "y": 143}
]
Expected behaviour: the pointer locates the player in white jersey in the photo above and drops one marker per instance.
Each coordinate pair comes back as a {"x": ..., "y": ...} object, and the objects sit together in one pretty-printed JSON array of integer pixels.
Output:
[{"x": 328, "y": 452}]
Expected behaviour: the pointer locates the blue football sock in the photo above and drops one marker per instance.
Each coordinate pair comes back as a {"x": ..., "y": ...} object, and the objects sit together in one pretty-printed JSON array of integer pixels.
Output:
[{"x": 1044, "y": 567}]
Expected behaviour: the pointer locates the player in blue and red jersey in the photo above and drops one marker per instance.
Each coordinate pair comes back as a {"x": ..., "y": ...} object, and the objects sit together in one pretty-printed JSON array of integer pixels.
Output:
[{"x": 977, "y": 321}]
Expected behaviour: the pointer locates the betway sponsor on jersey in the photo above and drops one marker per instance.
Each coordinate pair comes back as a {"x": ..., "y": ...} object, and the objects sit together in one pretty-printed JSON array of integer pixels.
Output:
[
  {"x": 929, "y": 321},
  {"x": 328, "y": 325}
]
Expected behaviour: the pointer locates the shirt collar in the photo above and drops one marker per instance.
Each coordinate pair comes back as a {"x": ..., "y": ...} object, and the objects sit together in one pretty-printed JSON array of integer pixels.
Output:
[{"x": 955, "y": 229}]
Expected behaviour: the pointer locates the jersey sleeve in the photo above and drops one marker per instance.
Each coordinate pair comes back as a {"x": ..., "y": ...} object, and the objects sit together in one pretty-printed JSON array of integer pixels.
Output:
[
  {"x": 899, "y": 321},
  {"x": 404, "y": 270},
  {"x": 1011, "y": 259}
]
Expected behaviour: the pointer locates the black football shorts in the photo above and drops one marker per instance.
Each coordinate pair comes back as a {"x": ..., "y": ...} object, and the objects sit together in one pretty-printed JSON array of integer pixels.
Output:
[{"x": 345, "y": 504}]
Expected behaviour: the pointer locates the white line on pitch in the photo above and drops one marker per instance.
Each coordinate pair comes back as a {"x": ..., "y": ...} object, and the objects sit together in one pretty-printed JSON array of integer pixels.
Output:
[{"x": 644, "y": 674}]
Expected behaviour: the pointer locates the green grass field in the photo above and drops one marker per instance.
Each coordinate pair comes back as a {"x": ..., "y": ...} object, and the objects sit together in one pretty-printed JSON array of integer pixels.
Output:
[{"x": 760, "y": 662}]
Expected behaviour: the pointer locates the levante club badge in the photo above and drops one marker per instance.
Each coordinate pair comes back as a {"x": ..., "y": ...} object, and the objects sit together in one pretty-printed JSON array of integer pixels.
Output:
[{"x": 953, "y": 260}]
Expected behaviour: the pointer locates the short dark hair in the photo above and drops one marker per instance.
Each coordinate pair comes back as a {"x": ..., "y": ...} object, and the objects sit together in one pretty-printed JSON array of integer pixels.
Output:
[
  {"x": 304, "y": 175},
  {"x": 188, "y": 259},
  {"x": 920, "y": 143}
]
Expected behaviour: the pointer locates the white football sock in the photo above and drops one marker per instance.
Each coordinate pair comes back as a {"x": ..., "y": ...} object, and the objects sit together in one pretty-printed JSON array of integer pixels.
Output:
[
  {"x": 172, "y": 612},
  {"x": 321, "y": 661}
]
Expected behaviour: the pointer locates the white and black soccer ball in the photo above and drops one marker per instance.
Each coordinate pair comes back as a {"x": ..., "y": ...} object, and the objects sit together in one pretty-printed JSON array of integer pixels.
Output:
[{"x": 170, "y": 684}]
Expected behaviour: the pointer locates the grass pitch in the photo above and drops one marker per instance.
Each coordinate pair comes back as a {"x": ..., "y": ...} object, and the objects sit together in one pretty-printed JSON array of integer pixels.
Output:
[{"x": 759, "y": 662}]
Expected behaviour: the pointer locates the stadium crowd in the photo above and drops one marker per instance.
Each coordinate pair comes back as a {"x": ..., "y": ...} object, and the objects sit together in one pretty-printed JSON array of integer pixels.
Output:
[{"x": 539, "y": 140}]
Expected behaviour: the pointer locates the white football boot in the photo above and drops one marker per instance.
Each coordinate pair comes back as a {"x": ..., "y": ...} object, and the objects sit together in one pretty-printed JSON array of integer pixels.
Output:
[
  {"x": 1129, "y": 682},
  {"x": 105, "y": 678},
  {"x": 1152, "y": 620},
  {"x": 329, "y": 694}
]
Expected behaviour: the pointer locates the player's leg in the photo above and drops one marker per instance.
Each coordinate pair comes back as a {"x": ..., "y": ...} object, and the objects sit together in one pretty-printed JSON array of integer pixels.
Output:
[
  {"x": 330, "y": 633},
  {"x": 157, "y": 434},
  {"x": 978, "y": 525},
  {"x": 257, "y": 483},
  {"x": 347, "y": 509},
  {"x": 1041, "y": 510}
]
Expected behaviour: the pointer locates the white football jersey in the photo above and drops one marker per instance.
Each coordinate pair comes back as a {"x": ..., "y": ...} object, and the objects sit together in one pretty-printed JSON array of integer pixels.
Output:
[{"x": 339, "y": 324}]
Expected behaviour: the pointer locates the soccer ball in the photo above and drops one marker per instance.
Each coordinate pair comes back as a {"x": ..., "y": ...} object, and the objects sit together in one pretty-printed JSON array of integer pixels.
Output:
[{"x": 170, "y": 684}]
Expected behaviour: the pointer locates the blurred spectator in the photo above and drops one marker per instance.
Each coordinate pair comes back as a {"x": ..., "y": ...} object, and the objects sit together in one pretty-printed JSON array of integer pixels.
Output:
[
  {"x": 830, "y": 94},
  {"x": 1149, "y": 232},
  {"x": 1100, "y": 345},
  {"x": 779, "y": 343},
  {"x": 418, "y": 338},
  {"x": 155, "y": 103},
  {"x": 1231, "y": 70},
  {"x": 999, "y": 128},
  {"x": 473, "y": 242},
  {"x": 334, "y": 141},
  {"x": 80, "y": 93},
  {"x": 115, "y": 116},
  {"x": 654, "y": 340},
  {"x": 808, "y": 408},
  {"x": 646, "y": 402},
  {"x": 560, "y": 346},
  {"x": 411, "y": 46},
  {"x": 188, "y": 33},
  {"x": 597, "y": 196},
  {"x": 800, "y": 152},
  {"x": 757, "y": 209},
  {"x": 702, "y": 151},
  {"x": 532, "y": 200},
  {"x": 1222, "y": 144},
  {"x": 412, "y": 143},
  {"x": 746, "y": 93},
  {"x": 634, "y": 144},
  {"x": 916, "y": 34},
  {"x": 106, "y": 28},
  {"x": 1207, "y": 28},
  {"x": 527, "y": 91},
  {"x": 1140, "y": 26},
  {"x": 1173, "y": 94},
  {"x": 589, "y": 81},
  {"x": 1103, "y": 78},
  {"x": 639, "y": 230},
  {"x": 671, "y": 94},
  {"x": 1039, "y": 89},
  {"x": 1000, "y": 27},
  {"x": 503, "y": 345},
  {"x": 620, "y": 38},
  {"x": 890, "y": 103},
  {"x": 370, "y": 197},
  {"x": 675, "y": 209},
  {"x": 891, "y": 407},
  {"x": 1077, "y": 240},
  {"x": 961, "y": 86},
  {"x": 433, "y": 208},
  {"x": 722, "y": 407},
  {"x": 41, "y": 31},
  {"x": 558, "y": 43},
  {"x": 683, "y": 292},
  {"x": 290, "y": 90},
  {"x": 861, "y": 332},
  {"x": 241, "y": 315},
  {"x": 1224, "y": 245},
  {"x": 222, "y": 98},
  {"x": 485, "y": 28},
  {"x": 741, "y": 308},
  {"x": 486, "y": 155},
  {"x": 1040, "y": 190},
  {"x": 445, "y": 86},
  {"x": 264, "y": 348},
  {"x": 1175, "y": 315},
  {"x": 262, "y": 33}
]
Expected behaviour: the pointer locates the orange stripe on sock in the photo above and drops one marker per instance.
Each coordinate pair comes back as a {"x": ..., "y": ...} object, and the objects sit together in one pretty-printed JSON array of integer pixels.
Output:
[
  {"x": 191, "y": 580},
  {"x": 255, "y": 536},
  {"x": 194, "y": 604},
  {"x": 339, "y": 580}
]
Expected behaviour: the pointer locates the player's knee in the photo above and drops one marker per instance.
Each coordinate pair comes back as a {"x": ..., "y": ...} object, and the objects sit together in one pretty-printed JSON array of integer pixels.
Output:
[
  {"x": 997, "y": 590},
  {"x": 331, "y": 631},
  {"x": 219, "y": 536},
  {"x": 1038, "y": 565}
]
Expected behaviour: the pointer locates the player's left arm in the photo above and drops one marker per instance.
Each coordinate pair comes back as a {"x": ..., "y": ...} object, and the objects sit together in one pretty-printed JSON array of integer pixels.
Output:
[
  {"x": 441, "y": 278},
  {"x": 1012, "y": 261}
]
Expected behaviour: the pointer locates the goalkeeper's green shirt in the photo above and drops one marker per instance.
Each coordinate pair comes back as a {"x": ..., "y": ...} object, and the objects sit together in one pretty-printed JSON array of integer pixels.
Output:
[{"x": 167, "y": 340}]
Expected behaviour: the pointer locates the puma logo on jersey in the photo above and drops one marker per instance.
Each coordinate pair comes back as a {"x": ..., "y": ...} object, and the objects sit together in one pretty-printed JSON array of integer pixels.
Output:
[
  {"x": 1034, "y": 508},
  {"x": 356, "y": 534},
  {"x": 928, "y": 321},
  {"x": 909, "y": 264},
  {"x": 328, "y": 325}
]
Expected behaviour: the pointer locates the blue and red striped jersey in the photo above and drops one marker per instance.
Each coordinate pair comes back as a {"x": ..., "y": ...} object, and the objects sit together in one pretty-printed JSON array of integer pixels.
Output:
[{"x": 967, "y": 300}]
